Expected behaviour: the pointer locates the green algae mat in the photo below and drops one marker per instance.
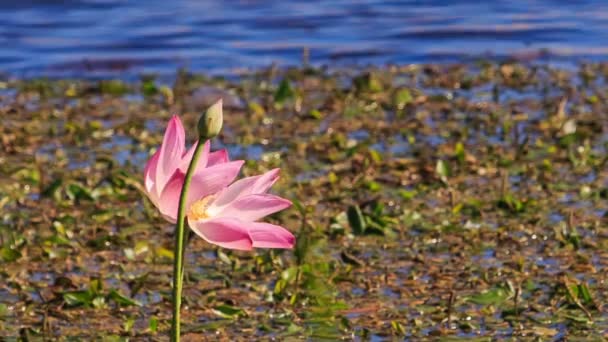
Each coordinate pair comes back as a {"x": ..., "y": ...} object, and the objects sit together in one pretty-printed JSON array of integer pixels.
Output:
[{"x": 450, "y": 202}]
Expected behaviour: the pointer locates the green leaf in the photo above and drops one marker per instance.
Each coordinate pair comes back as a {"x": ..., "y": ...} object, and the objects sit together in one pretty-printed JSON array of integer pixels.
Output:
[
  {"x": 375, "y": 155},
  {"x": 114, "y": 338},
  {"x": 545, "y": 332},
  {"x": 356, "y": 220},
  {"x": 402, "y": 98},
  {"x": 459, "y": 151},
  {"x": 578, "y": 318},
  {"x": 442, "y": 170},
  {"x": 99, "y": 302},
  {"x": 294, "y": 329},
  {"x": 284, "y": 92},
  {"x": 129, "y": 254},
  {"x": 290, "y": 273},
  {"x": 59, "y": 228},
  {"x": 228, "y": 311},
  {"x": 223, "y": 257},
  {"x": 375, "y": 228},
  {"x": 316, "y": 114},
  {"x": 256, "y": 108},
  {"x": 512, "y": 204},
  {"x": 299, "y": 206},
  {"x": 374, "y": 186},
  {"x": 368, "y": 82},
  {"x": 102, "y": 216},
  {"x": 51, "y": 189},
  {"x": 58, "y": 240},
  {"x": 153, "y": 324},
  {"x": 113, "y": 87},
  {"x": 584, "y": 294},
  {"x": 128, "y": 324},
  {"x": 28, "y": 175},
  {"x": 8, "y": 254},
  {"x": 77, "y": 298},
  {"x": 77, "y": 192},
  {"x": 3, "y": 310},
  {"x": 408, "y": 194},
  {"x": 122, "y": 300},
  {"x": 332, "y": 177},
  {"x": 163, "y": 252},
  {"x": 95, "y": 286},
  {"x": 398, "y": 328},
  {"x": 493, "y": 296},
  {"x": 148, "y": 87},
  {"x": 279, "y": 286}
]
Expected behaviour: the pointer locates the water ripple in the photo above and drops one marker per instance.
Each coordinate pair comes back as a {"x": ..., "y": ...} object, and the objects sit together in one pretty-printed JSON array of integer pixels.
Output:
[{"x": 56, "y": 38}]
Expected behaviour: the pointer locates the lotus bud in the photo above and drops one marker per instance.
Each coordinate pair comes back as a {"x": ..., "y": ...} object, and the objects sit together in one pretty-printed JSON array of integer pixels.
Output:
[{"x": 210, "y": 123}]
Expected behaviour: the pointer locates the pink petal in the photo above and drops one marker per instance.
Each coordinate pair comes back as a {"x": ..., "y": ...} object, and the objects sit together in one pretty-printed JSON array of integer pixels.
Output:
[
  {"x": 265, "y": 181},
  {"x": 170, "y": 154},
  {"x": 266, "y": 235},
  {"x": 246, "y": 186},
  {"x": 202, "y": 161},
  {"x": 252, "y": 207},
  {"x": 218, "y": 157},
  {"x": 169, "y": 199},
  {"x": 212, "y": 179},
  {"x": 224, "y": 232},
  {"x": 149, "y": 178},
  {"x": 236, "y": 234}
]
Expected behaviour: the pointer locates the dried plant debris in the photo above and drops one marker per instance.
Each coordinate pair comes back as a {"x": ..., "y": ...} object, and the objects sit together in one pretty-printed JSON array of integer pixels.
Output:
[{"x": 452, "y": 202}]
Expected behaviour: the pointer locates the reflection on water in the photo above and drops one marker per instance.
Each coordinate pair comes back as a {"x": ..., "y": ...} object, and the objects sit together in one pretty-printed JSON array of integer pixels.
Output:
[{"x": 109, "y": 37}]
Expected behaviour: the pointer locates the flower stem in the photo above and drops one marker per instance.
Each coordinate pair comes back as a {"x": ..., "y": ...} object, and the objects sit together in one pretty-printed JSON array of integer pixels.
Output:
[{"x": 178, "y": 252}]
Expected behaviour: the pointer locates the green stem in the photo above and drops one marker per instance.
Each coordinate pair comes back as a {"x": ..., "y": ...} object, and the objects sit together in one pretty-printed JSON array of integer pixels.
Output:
[{"x": 178, "y": 251}]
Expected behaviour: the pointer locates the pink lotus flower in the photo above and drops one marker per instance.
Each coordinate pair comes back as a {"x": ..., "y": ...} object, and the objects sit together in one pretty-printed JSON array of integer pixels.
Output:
[
  {"x": 165, "y": 172},
  {"x": 223, "y": 214}
]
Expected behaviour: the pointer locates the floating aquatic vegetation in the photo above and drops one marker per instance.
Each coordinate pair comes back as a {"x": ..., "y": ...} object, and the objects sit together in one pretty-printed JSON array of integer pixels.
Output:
[{"x": 506, "y": 239}]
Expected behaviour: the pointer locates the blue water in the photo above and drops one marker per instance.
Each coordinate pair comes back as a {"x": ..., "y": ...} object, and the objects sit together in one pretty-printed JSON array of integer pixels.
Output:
[{"x": 111, "y": 37}]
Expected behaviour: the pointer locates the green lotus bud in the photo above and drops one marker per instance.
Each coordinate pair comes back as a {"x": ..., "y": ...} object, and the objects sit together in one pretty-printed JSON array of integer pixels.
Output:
[{"x": 210, "y": 123}]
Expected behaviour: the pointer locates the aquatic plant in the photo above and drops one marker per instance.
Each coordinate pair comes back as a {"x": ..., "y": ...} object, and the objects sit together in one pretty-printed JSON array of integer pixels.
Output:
[
  {"x": 506, "y": 239},
  {"x": 196, "y": 182}
]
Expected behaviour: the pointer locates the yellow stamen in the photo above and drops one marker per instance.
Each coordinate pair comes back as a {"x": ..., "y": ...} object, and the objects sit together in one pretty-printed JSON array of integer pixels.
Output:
[{"x": 198, "y": 210}]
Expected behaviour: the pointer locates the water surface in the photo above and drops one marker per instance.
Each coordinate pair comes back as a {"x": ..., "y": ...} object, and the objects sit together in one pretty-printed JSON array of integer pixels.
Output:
[{"x": 111, "y": 37}]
